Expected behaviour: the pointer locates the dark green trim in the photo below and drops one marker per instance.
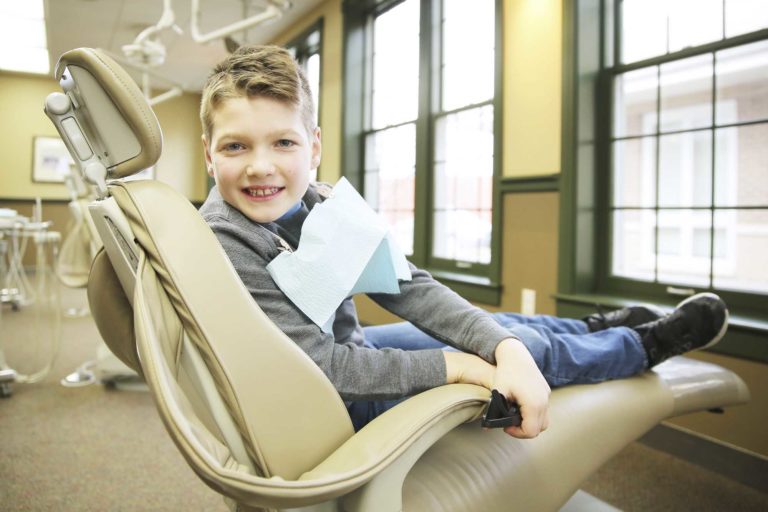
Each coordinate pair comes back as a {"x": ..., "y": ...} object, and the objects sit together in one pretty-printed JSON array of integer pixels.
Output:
[
  {"x": 497, "y": 219},
  {"x": 582, "y": 53},
  {"x": 746, "y": 337},
  {"x": 428, "y": 97},
  {"x": 353, "y": 91},
  {"x": 566, "y": 257},
  {"x": 545, "y": 183}
]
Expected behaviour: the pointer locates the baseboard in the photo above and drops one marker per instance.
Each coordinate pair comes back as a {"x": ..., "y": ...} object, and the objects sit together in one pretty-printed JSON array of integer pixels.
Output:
[{"x": 742, "y": 466}]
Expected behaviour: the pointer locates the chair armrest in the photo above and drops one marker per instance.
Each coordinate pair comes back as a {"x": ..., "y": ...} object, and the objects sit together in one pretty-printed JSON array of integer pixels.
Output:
[
  {"x": 429, "y": 415},
  {"x": 365, "y": 469},
  {"x": 389, "y": 446}
]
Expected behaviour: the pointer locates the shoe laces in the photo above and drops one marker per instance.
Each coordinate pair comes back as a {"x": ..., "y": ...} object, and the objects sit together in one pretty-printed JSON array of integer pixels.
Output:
[
  {"x": 600, "y": 312},
  {"x": 672, "y": 327}
]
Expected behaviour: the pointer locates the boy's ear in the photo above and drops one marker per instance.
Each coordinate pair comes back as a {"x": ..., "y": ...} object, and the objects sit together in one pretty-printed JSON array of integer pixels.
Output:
[
  {"x": 316, "y": 149},
  {"x": 208, "y": 161}
]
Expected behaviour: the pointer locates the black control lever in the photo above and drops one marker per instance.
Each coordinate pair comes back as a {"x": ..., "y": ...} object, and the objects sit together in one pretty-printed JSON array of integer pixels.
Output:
[{"x": 500, "y": 413}]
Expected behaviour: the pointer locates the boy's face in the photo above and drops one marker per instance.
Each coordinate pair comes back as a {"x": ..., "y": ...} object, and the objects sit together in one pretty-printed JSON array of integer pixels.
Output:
[{"x": 260, "y": 155}]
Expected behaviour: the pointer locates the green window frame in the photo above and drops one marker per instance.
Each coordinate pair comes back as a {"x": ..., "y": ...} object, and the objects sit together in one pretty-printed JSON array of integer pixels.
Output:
[
  {"x": 593, "y": 76},
  {"x": 307, "y": 49},
  {"x": 476, "y": 280}
]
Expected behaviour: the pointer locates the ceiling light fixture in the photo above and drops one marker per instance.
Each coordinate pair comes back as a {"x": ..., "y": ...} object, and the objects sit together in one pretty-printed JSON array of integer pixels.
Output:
[{"x": 23, "y": 41}]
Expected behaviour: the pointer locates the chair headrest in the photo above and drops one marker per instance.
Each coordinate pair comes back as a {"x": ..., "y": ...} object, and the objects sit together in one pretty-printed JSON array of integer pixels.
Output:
[{"x": 103, "y": 116}]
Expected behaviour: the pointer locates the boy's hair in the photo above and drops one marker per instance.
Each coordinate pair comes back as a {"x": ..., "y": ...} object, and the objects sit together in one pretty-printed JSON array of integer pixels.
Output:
[{"x": 254, "y": 71}]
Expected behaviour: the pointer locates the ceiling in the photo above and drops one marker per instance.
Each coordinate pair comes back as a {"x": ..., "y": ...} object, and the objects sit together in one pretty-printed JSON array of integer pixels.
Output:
[{"x": 110, "y": 24}]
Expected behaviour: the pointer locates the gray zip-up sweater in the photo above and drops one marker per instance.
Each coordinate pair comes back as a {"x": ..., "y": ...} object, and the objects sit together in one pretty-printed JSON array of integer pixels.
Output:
[{"x": 357, "y": 372}]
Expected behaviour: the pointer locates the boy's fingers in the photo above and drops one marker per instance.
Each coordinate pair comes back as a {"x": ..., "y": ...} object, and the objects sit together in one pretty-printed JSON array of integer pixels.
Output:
[
  {"x": 533, "y": 425},
  {"x": 528, "y": 430}
]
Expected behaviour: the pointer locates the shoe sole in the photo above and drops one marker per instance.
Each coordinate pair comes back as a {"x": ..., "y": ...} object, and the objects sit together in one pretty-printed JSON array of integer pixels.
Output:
[{"x": 724, "y": 327}]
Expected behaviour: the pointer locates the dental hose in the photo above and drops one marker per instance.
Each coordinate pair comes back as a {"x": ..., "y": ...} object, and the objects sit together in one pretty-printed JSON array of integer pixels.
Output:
[{"x": 46, "y": 274}]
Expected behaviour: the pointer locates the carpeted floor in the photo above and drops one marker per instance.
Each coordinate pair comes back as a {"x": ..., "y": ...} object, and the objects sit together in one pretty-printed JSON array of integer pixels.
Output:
[{"x": 97, "y": 449}]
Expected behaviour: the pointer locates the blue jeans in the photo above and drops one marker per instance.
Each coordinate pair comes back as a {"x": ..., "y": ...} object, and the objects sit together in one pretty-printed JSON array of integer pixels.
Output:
[{"x": 563, "y": 348}]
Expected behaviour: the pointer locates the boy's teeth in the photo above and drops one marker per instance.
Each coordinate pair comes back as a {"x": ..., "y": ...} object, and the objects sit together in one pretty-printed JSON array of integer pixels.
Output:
[{"x": 263, "y": 191}]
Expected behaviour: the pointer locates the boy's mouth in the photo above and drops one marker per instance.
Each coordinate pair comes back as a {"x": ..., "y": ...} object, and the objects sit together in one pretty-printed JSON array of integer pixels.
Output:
[{"x": 262, "y": 192}]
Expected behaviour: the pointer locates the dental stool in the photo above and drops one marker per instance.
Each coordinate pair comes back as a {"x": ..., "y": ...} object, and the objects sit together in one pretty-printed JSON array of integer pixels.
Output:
[{"x": 253, "y": 416}]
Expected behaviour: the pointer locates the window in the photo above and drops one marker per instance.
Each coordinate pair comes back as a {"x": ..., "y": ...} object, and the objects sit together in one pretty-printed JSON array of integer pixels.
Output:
[
  {"x": 689, "y": 145},
  {"x": 306, "y": 49},
  {"x": 428, "y": 131}
]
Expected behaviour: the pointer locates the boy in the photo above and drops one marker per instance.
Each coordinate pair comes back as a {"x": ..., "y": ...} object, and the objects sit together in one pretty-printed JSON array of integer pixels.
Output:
[{"x": 261, "y": 144}]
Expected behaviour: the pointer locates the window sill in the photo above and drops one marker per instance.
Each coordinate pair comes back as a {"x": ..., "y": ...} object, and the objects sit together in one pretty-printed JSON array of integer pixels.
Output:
[
  {"x": 746, "y": 337},
  {"x": 473, "y": 288}
]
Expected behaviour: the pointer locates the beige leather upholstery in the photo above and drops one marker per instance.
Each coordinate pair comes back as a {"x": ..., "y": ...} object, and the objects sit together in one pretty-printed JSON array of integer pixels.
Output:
[
  {"x": 202, "y": 290},
  {"x": 112, "y": 312},
  {"x": 118, "y": 120},
  {"x": 589, "y": 424},
  {"x": 259, "y": 422}
]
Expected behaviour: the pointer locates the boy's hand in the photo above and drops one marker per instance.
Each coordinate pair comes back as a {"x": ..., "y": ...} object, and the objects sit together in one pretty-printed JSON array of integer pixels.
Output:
[
  {"x": 463, "y": 368},
  {"x": 519, "y": 379}
]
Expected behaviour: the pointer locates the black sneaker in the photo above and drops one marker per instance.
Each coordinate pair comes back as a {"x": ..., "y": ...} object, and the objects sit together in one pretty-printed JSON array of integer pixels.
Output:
[
  {"x": 698, "y": 322},
  {"x": 624, "y": 317}
]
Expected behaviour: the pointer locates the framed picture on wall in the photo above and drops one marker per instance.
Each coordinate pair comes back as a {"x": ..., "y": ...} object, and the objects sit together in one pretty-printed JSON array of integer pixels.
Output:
[{"x": 51, "y": 161}]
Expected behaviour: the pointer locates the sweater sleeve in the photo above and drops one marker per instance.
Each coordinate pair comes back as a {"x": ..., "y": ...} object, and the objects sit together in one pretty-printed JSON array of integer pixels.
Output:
[
  {"x": 356, "y": 372},
  {"x": 443, "y": 314}
]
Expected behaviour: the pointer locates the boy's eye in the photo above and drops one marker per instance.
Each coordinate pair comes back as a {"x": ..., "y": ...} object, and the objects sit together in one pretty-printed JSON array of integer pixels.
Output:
[
  {"x": 285, "y": 143},
  {"x": 233, "y": 146}
]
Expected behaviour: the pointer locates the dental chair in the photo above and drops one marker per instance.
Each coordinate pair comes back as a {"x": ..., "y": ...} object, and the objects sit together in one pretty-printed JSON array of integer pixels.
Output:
[{"x": 253, "y": 416}]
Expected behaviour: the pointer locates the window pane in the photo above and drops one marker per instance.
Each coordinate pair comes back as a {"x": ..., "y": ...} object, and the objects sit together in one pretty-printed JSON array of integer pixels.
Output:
[
  {"x": 463, "y": 184},
  {"x": 742, "y": 83},
  {"x": 685, "y": 169},
  {"x": 313, "y": 76},
  {"x": 685, "y": 30},
  {"x": 684, "y": 247},
  {"x": 740, "y": 250},
  {"x": 401, "y": 226},
  {"x": 656, "y": 27},
  {"x": 396, "y": 65},
  {"x": 742, "y": 16},
  {"x": 389, "y": 179},
  {"x": 634, "y": 177},
  {"x": 741, "y": 162},
  {"x": 463, "y": 235},
  {"x": 468, "y": 37},
  {"x": 686, "y": 93},
  {"x": 634, "y": 244},
  {"x": 644, "y": 29},
  {"x": 635, "y": 99}
]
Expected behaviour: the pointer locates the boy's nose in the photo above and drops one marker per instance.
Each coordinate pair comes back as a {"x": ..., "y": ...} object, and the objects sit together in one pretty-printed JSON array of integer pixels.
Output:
[{"x": 259, "y": 166}]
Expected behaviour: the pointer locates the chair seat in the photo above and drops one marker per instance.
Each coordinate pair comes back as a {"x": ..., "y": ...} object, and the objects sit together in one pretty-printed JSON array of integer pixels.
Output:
[{"x": 471, "y": 469}]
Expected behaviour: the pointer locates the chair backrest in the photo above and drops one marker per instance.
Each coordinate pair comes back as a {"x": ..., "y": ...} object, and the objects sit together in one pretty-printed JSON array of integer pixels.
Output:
[{"x": 233, "y": 391}]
